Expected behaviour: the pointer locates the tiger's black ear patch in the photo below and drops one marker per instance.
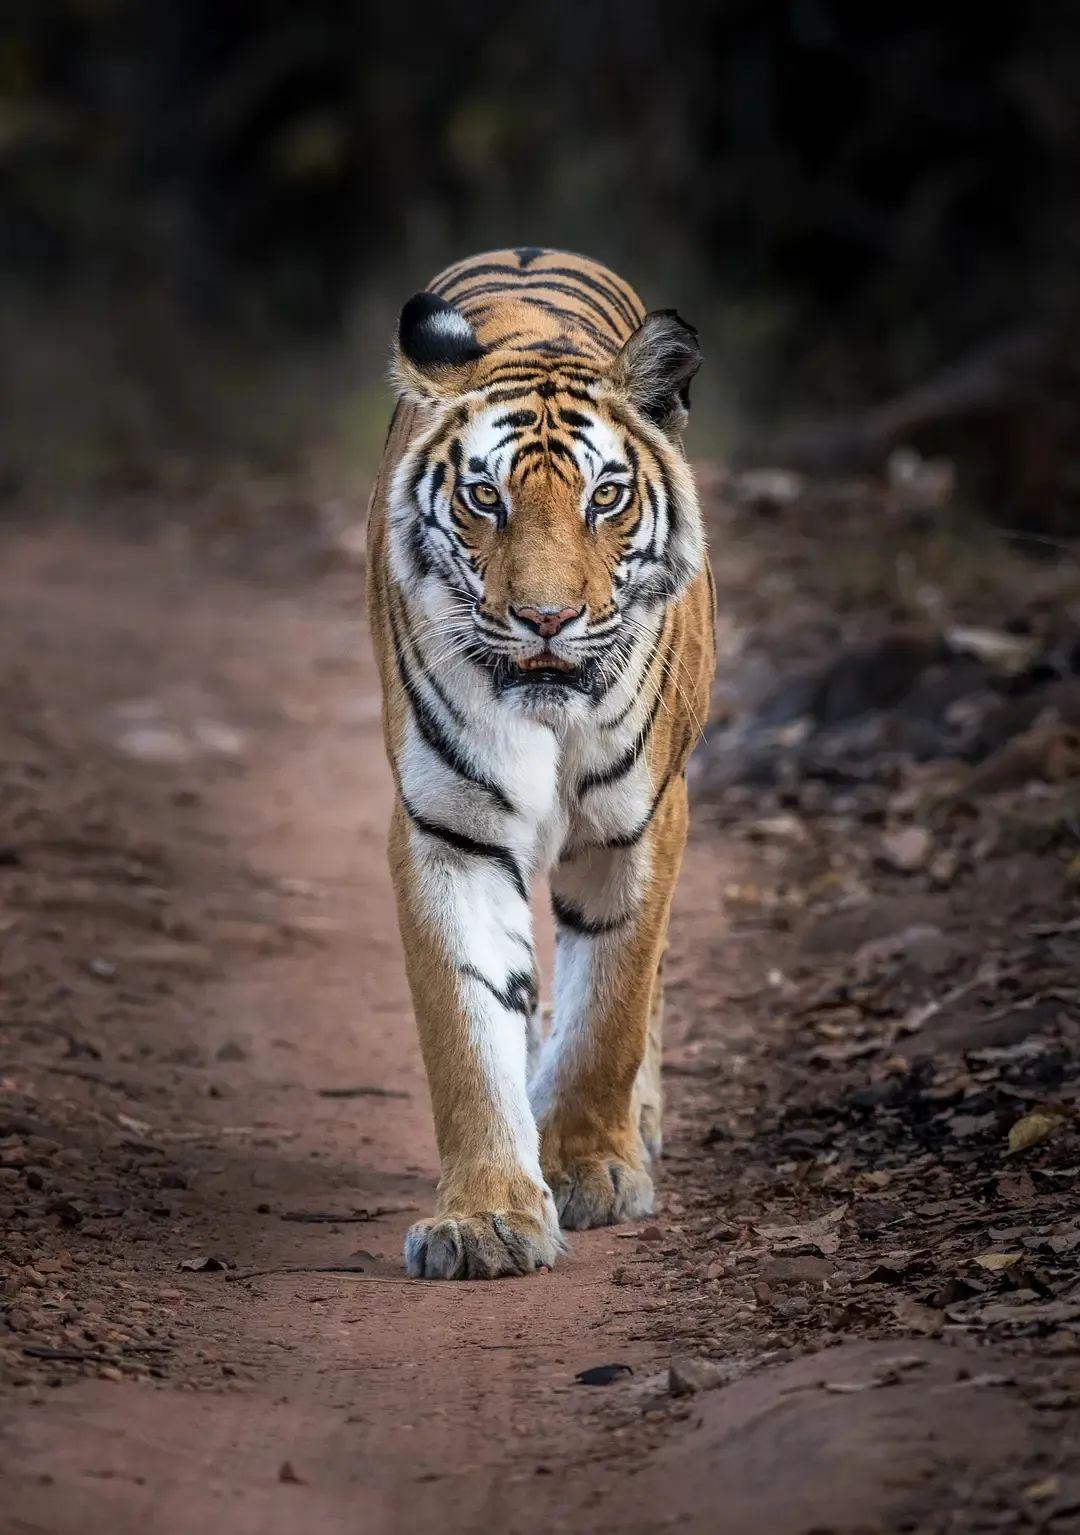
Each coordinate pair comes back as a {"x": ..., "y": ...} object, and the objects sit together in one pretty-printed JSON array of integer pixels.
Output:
[
  {"x": 655, "y": 368},
  {"x": 433, "y": 335}
]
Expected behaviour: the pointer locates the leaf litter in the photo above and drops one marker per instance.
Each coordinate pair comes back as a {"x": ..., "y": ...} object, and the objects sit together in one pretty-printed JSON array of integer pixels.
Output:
[{"x": 885, "y": 1065}]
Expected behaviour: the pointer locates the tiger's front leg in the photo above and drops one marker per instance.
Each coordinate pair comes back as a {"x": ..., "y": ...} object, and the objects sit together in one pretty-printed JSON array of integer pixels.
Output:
[
  {"x": 465, "y": 924},
  {"x": 611, "y": 907}
]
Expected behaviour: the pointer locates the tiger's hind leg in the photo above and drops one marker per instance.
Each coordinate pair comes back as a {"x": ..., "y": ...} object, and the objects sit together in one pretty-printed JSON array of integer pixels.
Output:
[{"x": 649, "y": 1088}]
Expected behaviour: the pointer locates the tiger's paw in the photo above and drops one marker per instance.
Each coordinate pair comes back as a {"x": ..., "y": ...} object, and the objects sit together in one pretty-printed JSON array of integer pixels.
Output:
[
  {"x": 600, "y": 1191},
  {"x": 490, "y": 1245}
]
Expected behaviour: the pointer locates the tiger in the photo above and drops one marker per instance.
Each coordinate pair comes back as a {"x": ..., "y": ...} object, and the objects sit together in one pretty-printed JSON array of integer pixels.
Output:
[{"x": 542, "y": 614}]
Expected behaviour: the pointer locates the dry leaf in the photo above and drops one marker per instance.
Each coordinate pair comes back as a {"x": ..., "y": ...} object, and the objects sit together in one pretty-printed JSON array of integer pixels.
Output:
[
  {"x": 1032, "y": 1129},
  {"x": 1038, "y": 1492},
  {"x": 995, "y": 1262},
  {"x": 924, "y": 1319},
  {"x": 816, "y": 1233},
  {"x": 136, "y": 1126},
  {"x": 207, "y": 1265},
  {"x": 1009, "y": 652}
]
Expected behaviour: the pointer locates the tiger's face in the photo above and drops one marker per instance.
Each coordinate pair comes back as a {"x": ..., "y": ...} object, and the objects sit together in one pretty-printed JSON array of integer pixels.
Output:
[{"x": 548, "y": 508}]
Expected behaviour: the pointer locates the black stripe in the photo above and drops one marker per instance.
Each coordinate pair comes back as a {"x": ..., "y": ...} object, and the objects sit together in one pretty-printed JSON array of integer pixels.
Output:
[
  {"x": 617, "y": 721},
  {"x": 630, "y": 838},
  {"x": 654, "y": 503},
  {"x": 527, "y": 450},
  {"x": 500, "y": 343},
  {"x": 569, "y": 916},
  {"x": 427, "y": 723},
  {"x": 622, "y": 765},
  {"x": 421, "y": 665},
  {"x": 508, "y": 396},
  {"x": 612, "y": 279},
  {"x": 554, "y": 348},
  {"x": 531, "y": 386},
  {"x": 633, "y": 315},
  {"x": 517, "y": 371},
  {"x": 463, "y": 272},
  {"x": 621, "y": 648},
  {"x": 671, "y": 503},
  {"x": 457, "y": 839},
  {"x": 605, "y": 343},
  {"x": 538, "y": 283},
  {"x": 428, "y": 448},
  {"x": 418, "y": 549},
  {"x": 586, "y": 442},
  {"x": 582, "y": 371},
  {"x": 519, "y": 995},
  {"x": 598, "y": 285}
]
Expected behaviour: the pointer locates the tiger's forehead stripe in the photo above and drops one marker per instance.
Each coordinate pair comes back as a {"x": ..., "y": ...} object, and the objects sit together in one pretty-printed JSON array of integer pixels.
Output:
[
  {"x": 559, "y": 271},
  {"x": 546, "y": 307}
]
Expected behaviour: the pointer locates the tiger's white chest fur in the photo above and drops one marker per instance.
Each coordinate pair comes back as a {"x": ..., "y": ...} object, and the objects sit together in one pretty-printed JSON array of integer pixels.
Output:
[{"x": 544, "y": 776}]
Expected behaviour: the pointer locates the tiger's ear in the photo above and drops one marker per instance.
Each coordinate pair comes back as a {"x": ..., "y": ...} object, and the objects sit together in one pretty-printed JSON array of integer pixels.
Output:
[
  {"x": 655, "y": 366},
  {"x": 436, "y": 349}
]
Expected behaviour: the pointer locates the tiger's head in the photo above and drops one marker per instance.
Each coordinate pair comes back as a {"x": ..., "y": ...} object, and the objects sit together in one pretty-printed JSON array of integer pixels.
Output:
[{"x": 546, "y": 507}]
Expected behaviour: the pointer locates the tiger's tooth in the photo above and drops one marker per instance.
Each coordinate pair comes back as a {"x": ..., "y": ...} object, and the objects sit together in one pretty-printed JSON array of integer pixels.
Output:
[{"x": 544, "y": 662}]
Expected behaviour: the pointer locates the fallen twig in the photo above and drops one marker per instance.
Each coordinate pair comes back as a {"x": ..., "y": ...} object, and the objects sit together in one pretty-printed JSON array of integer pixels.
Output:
[
  {"x": 361, "y": 1092},
  {"x": 358, "y": 1217},
  {"x": 322, "y": 1268}
]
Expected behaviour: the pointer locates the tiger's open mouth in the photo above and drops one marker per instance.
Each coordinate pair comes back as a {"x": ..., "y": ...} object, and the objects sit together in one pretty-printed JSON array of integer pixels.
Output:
[
  {"x": 545, "y": 661},
  {"x": 545, "y": 671}
]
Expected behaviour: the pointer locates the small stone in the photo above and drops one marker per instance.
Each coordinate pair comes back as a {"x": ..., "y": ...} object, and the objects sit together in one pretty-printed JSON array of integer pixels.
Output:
[
  {"x": 687, "y": 1375},
  {"x": 907, "y": 850},
  {"x": 69, "y": 1212},
  {"x": 784, "y": 1269},
  {"x": 795, "y": 1305}
]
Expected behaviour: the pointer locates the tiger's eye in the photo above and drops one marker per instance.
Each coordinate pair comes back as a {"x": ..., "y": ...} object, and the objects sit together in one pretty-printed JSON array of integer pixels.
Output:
[
  {"x": 485, "y": 495},
  {"x": 606, "y": 495}
]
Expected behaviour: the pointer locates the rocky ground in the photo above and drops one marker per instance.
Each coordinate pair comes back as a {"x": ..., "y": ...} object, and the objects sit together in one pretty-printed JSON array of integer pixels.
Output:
[{"x": 858, "y": 1305}]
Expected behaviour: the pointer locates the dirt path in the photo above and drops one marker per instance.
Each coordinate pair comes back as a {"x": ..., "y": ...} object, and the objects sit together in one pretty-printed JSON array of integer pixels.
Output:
[
  {"x": 250, "y": 781},
  {"x": 208, "y": 1053}
]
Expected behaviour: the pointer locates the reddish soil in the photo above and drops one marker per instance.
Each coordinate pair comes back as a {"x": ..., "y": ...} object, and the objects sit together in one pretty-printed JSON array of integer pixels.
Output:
[{"x": 208, "y": 1053}]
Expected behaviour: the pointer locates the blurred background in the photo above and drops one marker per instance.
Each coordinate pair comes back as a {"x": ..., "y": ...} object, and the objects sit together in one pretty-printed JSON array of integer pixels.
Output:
[{"x": 211, "y": 214}]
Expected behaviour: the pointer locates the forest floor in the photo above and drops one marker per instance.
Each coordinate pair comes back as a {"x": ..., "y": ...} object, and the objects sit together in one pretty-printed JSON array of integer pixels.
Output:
[{"x": 857, "y": 1307}]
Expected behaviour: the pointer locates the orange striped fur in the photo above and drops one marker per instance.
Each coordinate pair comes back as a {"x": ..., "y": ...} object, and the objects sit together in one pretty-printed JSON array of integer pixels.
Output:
[{"x": 542, "y": 613}]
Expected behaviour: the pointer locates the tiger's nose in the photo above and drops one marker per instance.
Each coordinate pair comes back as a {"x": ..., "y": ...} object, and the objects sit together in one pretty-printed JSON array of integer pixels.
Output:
[{"x": 546, "y": 620}]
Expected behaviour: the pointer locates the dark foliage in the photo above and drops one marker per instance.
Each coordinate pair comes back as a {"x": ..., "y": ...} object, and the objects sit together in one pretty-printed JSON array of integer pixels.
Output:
[{"x": 877, "y": 186}]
